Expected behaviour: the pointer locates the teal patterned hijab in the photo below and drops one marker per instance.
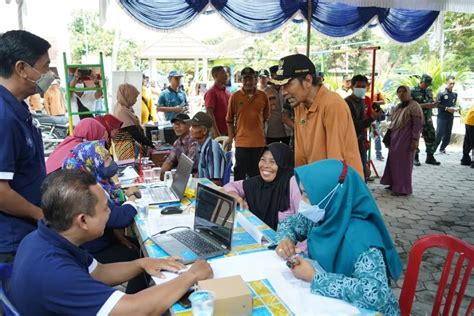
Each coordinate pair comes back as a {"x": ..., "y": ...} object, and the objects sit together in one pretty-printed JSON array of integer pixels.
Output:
[{"x": 352, "y": 222}]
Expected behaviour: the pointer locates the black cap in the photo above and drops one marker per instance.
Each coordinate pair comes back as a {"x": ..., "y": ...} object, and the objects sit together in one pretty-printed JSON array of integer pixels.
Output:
[
  {"x": 247, "y": 72},
  {"x": 201, "y": 119},
  {"x": 293, "y": 66},
  {"x": 263, "y": 73},
  {"x": 427, "y": 79},
  {"x": 180, "y": 117}
]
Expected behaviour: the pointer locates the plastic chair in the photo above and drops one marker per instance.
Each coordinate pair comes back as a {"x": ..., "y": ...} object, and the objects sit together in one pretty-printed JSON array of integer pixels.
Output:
[
  {"x": 221, "y": 140},
  {"x": 5, "y": 274},
  {"x": 454, "y": 246}
]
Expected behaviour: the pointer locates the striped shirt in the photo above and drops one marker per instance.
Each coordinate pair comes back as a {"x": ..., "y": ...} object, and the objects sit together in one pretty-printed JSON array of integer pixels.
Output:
[{"x": 211, "y": 160}]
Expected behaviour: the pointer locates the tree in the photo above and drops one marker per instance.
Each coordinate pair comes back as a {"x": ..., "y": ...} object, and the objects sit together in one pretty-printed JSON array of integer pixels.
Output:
[
  {"x": 88, "y": 38},
  {"x": 459, "y": 41}
]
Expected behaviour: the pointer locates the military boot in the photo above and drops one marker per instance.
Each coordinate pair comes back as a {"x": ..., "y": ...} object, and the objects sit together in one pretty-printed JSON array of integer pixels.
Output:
[
  {"x": 430, "y": 160},
  {"x": 417, "y": 161}
]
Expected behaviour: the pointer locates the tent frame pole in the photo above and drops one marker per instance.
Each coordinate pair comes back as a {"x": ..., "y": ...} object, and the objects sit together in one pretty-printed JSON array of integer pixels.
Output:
[{"x": 309, "y": 18}]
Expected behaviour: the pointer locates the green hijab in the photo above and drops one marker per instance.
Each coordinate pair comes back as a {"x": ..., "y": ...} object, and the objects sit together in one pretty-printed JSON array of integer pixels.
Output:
[{"x": 352, "y": 222}]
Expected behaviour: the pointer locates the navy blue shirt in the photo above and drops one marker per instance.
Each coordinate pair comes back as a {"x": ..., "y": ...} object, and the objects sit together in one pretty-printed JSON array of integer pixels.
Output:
[
  {"x": 51, "y": 276},
  {"x": 171, "y": 98},
  {"x": 120, "y": 217},
  {"x": 21, "y": 164},
  {"x": 446, "y": 100}
]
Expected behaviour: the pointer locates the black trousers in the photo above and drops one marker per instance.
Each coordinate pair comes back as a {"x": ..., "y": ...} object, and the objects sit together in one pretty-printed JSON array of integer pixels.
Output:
[
  {"x": 444, "y": 128},
  {"x": 284, "y": 140},
  {"x": 468, "y": 144},
  {"x": 118, "y": 252},
  {"x": 246, "y": 162}
]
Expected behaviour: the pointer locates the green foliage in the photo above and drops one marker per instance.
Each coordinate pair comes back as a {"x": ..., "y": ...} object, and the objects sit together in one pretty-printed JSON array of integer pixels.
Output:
[
  {"x": 87, "y": 37},
  {"x": 459, "y": 41}
]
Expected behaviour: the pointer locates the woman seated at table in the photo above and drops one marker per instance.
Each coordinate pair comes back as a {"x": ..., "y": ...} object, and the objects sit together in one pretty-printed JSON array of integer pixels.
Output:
[
  {"x": 113, "y": 246},
  {"x": 351, "y": 244},
  {"x": 273, "y": 195},
  {"x": 87, "y": 129},
  {"x": 130, "y": 139}
]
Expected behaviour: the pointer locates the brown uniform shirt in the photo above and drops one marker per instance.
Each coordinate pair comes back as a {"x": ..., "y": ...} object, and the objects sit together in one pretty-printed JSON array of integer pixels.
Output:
[
  {"x": 326, "y": 131},
  {"x": 54, "y": 101},
  {"x": 248, "y": 116}
]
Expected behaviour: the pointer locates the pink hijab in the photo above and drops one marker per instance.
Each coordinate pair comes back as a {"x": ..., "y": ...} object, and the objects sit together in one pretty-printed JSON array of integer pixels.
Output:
[{"x": 88, "y": 129}]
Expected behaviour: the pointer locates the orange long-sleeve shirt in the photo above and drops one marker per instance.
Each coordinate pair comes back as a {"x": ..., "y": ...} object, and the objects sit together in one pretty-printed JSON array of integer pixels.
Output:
[{"x": 326, "y": 131}]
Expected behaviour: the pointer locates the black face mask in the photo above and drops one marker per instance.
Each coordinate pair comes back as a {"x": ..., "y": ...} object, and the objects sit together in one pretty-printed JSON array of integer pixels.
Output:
[{"x": 108, "y": 172}]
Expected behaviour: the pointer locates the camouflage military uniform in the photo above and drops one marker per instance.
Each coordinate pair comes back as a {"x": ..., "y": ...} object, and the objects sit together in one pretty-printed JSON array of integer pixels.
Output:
[{"x": 429, "y": 134}]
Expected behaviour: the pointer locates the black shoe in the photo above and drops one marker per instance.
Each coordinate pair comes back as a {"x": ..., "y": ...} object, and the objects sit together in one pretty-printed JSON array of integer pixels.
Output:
[
  {"x": 442, "y": 151},
  {"x": 430, "y": 160},
  {"x": 465, "y": 163},
  {"x": 417, "y": 161}
]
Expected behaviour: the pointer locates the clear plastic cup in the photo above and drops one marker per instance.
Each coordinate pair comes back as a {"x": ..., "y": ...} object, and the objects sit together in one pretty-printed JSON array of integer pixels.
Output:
[
  {"x": 148, "y": 175},
  {"x": 202, "y": 303},
  {"x": 156, "y": 173},
  {"x": 155, "y": 136},
  {"x": 142, "y": 210}
]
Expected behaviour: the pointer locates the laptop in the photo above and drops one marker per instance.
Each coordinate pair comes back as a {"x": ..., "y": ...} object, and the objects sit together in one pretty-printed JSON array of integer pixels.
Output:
[
  {"x": 163, "y": 194},
  {"x": 213, "y": 228}
]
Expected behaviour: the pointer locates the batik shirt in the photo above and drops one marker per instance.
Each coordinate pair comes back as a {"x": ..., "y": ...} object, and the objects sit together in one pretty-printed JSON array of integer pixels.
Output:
[{"x": 367, "y": 287}]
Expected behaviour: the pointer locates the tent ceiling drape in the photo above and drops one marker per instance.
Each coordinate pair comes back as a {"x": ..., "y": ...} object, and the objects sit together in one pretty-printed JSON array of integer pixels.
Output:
[{"x": 328, "y": 17}]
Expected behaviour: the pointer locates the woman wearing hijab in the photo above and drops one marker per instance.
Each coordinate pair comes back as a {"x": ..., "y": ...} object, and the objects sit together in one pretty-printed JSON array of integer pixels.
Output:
[
  {"x": 87, "y": 129},
  {"x": 112, "y": 246},
  {"x": 273, "y": 195},
  {"x": 353, "y": 249},
  {"x": 111, "y": 124},
  {"x": 131, "y": 130},
  {"x": 405, "y": 129}
]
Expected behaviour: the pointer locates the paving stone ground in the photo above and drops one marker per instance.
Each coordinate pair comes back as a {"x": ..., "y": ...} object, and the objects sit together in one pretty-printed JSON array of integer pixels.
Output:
[{"x": 442, "y": 203}]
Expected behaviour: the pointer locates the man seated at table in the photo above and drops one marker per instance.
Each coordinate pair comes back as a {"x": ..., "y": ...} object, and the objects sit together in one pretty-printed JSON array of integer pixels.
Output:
[
  {"x": 52, "y": 275},
  {"x": 184, "y": 144},
  {"x": 210, "y": 157}
]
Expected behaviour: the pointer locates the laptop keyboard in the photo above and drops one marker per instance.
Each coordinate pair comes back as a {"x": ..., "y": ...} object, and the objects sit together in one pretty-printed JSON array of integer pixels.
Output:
[
  {"x": 160, "y": 194},
  {"x": 195, "y": 242}
]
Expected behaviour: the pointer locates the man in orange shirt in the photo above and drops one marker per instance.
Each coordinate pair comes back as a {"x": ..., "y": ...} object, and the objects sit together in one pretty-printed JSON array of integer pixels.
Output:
[
  {"x": 54, "y": 100},
  {"x": 323, "y": 122},
  {"x": 247, "y": 112}
]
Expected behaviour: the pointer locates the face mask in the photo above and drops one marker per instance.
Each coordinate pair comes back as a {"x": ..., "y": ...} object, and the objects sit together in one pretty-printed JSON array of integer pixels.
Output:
[
  {"x": 79, "y": 85},
  {"x": 315, "y": 213},
  {"x": 44, "y": 81},
  {"x": 359, "y": 92},
  {"x": 311, "y": 212},
  {"x": 108, "y": 172}
]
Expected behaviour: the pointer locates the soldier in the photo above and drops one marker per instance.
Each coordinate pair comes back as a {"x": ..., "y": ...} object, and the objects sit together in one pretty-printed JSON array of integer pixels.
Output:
[{"x": 424, "y": 96}]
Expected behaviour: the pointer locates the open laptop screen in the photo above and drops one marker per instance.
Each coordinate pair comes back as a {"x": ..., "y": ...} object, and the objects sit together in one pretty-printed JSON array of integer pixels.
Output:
[
  {"x": 183, "y": 172},
  {"x": 215, "y": 212}
]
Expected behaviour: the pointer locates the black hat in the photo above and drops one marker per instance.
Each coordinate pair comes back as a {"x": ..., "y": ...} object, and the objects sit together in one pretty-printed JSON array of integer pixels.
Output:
[
  {"x": 180, "y": 117},
  {"x": 247, "y": 72},
  {"x": 293, "y": 66},
  {"x": 263, "y": 73},
  {"x": 201, "y": 119},
  {"x": 427, "y": 79}
]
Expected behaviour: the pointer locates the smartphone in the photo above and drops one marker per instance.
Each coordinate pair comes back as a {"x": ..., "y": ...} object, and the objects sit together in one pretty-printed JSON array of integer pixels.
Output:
[
  {"x": 85, "y": 72},
  {"x": 184, "y": 300}
]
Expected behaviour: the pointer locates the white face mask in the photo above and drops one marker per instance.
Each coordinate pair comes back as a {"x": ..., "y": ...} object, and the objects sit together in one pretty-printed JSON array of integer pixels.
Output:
[
  {"x": 316, "y": 213},
  {"x": 359, "y": 92},
  {"x": 79, "y": 85},
  {"x": 44, "y": 81}
]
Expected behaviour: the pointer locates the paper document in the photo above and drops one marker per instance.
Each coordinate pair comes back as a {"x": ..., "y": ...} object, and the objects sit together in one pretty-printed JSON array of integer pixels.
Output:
[
  {"x": 156, "y": 224},
  {"x": 251, "y": 229}
]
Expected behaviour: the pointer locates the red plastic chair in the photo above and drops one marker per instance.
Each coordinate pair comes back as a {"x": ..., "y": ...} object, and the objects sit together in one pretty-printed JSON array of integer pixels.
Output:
[{"x": 454, "y": 246}]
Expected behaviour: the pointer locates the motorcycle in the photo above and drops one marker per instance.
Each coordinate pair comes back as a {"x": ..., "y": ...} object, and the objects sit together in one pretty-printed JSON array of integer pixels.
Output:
[{"x": 53, "y": 129}]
